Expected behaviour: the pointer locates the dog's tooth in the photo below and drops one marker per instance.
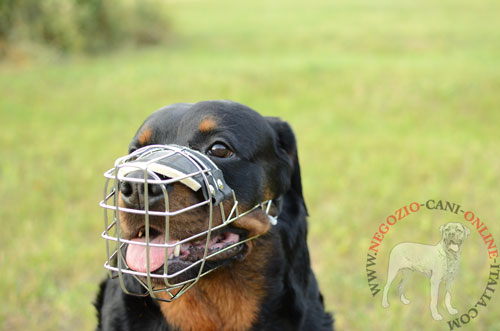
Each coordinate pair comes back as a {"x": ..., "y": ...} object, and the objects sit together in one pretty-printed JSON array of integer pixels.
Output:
[
  {"x": 177, "y": 250},
  {"x": 141, "y": 232}
]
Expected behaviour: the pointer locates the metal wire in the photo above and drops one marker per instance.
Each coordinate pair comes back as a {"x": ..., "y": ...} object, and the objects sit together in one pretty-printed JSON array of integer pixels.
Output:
[{"x": 116, "y": 263}]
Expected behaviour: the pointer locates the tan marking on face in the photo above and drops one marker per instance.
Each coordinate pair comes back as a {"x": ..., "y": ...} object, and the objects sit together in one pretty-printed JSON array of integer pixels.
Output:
[
  {"x": 145, "y": 135},
  {"x": 256, "y": 223},
  {"x": 268, "y": 194},
  {"x": 207, "y": 124}
]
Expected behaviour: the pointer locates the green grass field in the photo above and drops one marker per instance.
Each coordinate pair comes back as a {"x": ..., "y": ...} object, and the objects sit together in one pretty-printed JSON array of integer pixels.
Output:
[{"x": 391, "y": 101}]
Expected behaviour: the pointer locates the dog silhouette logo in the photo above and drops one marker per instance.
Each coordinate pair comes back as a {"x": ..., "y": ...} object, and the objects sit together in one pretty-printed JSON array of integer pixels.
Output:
[{"x": 440, "y": 263}]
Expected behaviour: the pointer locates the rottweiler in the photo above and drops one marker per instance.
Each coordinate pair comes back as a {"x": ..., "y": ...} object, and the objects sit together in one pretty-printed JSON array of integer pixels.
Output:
[{"x": 266, "y": 285}]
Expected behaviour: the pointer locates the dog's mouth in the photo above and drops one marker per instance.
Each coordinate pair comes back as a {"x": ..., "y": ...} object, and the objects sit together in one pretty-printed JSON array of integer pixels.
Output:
[
  {"x": 453, "y": 244},
  {"x": 223, "y": 245}
]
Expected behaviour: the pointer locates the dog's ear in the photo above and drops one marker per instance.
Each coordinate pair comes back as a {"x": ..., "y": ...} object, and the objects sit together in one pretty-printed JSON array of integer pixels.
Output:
[
  {"x": 466, "y": 230},
  {"x": 441, "y": 229},
  {"x": 286, "y": 150}
]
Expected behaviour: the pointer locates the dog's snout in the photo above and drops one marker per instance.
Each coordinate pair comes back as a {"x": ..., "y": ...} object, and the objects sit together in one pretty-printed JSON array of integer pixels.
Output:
[{"x": 133, "y": 194}]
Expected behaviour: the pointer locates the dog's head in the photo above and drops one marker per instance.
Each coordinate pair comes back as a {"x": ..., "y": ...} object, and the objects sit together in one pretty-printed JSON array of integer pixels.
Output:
[
  {"x": 453, "y": 236},
  {"x": 258, "y": 161}
]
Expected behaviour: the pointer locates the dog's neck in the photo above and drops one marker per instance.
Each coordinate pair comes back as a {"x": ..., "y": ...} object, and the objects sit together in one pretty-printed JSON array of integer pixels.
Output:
[{"x": 226, "y": 299}]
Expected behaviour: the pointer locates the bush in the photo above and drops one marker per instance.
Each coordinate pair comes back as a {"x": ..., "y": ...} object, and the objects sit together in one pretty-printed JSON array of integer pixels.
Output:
[{"x": 81, "y": 25}]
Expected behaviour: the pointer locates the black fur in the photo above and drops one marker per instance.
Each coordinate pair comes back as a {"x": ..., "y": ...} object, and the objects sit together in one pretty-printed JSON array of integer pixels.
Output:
[{"x": 265, "y": 156}]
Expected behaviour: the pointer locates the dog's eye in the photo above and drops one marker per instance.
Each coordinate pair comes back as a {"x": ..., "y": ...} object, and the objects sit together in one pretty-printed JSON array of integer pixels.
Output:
[{"x": 220, "y": 150}]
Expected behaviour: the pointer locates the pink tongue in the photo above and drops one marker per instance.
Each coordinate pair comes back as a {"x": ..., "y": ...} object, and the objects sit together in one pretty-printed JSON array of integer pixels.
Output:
[{"x": 136, "y": 254}]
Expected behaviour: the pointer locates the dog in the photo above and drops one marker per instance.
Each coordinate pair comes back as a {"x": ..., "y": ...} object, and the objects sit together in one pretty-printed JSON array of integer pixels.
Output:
[
  {"x": 439, "y": 263},
  {"x": 269, "y": 283}
]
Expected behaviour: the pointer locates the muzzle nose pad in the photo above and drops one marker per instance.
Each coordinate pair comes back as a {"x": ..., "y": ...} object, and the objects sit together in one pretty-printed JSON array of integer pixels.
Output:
[{"x": 132, "y": 193}]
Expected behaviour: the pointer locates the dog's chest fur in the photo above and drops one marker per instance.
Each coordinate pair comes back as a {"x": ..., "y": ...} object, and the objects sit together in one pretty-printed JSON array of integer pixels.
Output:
[{"x": 450, "y": 261}]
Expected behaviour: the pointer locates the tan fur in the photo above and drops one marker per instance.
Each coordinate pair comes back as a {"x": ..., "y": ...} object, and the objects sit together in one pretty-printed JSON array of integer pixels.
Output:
[
  {"x": 145, "y": 135},
  {"x": 227, "y": 299},
  {"x": 268, "y": 194},
  {"x": 207, "y": 124},
  {"x": 256, "y": 223}
]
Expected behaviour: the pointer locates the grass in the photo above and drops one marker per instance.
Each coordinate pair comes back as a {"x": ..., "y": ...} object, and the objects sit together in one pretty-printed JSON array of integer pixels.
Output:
[{"x": 391, "y": 102}]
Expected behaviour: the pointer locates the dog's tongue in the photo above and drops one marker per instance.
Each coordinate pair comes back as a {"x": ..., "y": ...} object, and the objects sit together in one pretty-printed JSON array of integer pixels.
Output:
[
  {"x": 454, "y": 247},
  {"x": 136, "y": 254}
]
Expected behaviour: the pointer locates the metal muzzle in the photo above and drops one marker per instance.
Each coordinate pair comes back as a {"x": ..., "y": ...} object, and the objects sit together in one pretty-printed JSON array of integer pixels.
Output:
[{"x": 160, "y": 166}]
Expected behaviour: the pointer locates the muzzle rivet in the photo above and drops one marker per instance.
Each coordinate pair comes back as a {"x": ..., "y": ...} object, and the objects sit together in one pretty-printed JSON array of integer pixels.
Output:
[
  {"x": 212, "y": 190},
  {"x": 219, "y": 182}
]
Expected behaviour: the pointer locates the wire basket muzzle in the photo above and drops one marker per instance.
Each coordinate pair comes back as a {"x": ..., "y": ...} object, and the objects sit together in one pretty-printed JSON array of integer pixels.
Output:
[{"x": 161, "y": 166}]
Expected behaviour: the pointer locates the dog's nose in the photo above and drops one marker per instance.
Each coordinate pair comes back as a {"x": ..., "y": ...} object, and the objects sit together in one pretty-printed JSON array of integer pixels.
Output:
[{"x": 133, "y": 195}]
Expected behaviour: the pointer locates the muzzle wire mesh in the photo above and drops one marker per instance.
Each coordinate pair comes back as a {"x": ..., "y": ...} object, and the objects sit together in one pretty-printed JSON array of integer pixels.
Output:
[{"x": 147, "y": 160}]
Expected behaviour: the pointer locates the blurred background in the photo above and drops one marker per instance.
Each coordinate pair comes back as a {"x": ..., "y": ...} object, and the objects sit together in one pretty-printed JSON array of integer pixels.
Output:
[{"x": 392, "y": 101}]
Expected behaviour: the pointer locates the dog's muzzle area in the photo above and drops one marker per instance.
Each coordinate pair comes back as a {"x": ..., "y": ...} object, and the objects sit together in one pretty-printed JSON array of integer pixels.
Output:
[
  {"x": 168, "y": 219},
  {"x": 453, "y": 239}
]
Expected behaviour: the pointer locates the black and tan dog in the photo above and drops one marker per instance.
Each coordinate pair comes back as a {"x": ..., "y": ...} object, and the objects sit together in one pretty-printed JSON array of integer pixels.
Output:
[{"x": 267, "y": 285}]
